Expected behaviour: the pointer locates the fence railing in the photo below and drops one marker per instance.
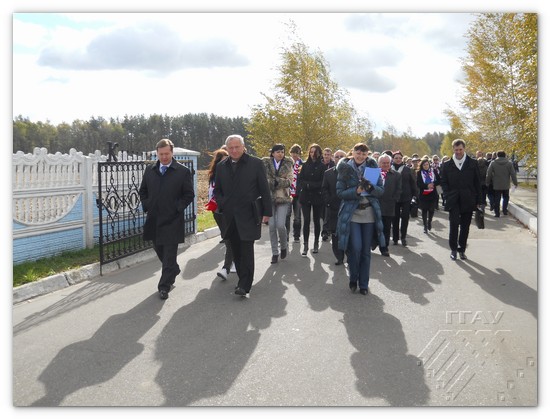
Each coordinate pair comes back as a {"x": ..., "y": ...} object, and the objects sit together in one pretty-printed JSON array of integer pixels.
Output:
[{"x": 54, "y": 200}]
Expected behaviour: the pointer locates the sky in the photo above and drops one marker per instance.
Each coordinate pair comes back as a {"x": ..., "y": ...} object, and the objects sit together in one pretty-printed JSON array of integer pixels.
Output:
[{"x": 399, "y": 69}]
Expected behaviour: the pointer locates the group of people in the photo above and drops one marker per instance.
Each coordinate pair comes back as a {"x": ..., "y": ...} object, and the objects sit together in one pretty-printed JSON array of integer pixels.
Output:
[{"x": 358, "y": 199}]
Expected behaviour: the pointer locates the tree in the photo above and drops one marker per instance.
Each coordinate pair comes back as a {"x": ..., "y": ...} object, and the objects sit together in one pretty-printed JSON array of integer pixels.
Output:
[
  {"x": 500, "y": 88},
  {"x": 307, "y": 107}
]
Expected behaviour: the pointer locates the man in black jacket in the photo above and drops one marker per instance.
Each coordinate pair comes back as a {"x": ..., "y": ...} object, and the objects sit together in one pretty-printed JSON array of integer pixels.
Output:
[
  {"x": 461, "y": 185},
  {"x": 332, "y": 203},
  {"x": 166, "y": 190},
  {"x": 403, "y": 206},
  {"x": 244, "y": 199}
]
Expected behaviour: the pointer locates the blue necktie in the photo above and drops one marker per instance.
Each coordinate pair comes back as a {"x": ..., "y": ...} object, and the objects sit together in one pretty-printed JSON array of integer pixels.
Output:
[{"x": 163, "y": 169}]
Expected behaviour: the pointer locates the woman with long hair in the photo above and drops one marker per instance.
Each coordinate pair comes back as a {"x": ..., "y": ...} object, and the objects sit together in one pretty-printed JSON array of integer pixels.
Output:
[
  {"x": 218, "y": 156},
  {"x": 310, "y": 181}
]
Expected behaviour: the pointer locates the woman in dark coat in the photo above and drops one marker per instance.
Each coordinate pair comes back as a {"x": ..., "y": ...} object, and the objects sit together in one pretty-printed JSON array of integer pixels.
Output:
[
  {"x": 218, "y": 156},
  {"x": 427, "y": 179},
  {"x": 310, "y": 182}
]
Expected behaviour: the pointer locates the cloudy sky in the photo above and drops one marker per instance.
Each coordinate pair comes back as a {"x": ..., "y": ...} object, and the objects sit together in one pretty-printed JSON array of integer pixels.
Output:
[{"x": 399, "y": 68}]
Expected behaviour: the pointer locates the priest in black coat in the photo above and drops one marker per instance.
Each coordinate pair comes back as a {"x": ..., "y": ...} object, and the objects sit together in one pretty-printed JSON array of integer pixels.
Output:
[{"x": 244, "y": 199}]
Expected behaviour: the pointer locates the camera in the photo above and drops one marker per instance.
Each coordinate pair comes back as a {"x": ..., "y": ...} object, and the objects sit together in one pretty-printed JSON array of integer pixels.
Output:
[{"x": 365, "y": 184}]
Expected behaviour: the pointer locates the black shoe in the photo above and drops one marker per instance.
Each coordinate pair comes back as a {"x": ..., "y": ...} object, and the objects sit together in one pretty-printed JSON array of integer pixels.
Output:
[
  {"x": 384, "y": 251},
  {"x": 395, "y": 242},
  {"x": 315, "y": 247},
  {"x": 324, "y": 237},
  {"x": 339, "y": 262},
  {"x": 274, "y": 258},
  {"x": 283, "y": 253},
  {"x": 240, "y": 291},
  {"x": 304, "y": 252},
  {"x": 430, "y": 225},
  {"x": 462, "y": 255},
  {"x": 404, "y": 242},
  {"x": 163, "y": 294},
  {"x": 425, "y": 230},
  {"x": 505, "y": 212},
  {"x": 353, "y": 286},
  {"x": 497, "y": 215},
  {"x": 363, "y": 291},
  {"x": 296, "y": 239},
  {"x": 374, "y": 246},
  {"x": 453, "y": 254}
]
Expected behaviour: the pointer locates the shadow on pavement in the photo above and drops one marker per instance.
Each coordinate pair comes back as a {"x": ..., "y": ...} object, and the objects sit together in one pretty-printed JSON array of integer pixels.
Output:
[
  {"x": 207, "y": 343},
  {"x": 100, "y": 358}
]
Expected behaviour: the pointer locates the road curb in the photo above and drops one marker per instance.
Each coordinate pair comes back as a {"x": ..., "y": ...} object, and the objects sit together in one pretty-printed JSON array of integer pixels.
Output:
[
  {"x": 66, "y": 279},
  {"x": 523, "y": 216}
]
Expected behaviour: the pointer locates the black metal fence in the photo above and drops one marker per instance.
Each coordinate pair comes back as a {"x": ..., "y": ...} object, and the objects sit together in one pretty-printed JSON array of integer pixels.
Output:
[{"x": 121, "y": 217}]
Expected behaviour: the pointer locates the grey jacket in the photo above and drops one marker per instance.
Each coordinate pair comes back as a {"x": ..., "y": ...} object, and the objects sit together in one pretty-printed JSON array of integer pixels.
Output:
[{"x": 499, "y": 173}]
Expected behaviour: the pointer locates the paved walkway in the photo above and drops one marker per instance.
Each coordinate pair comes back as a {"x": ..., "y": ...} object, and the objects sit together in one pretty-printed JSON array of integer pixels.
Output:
[
  {"x": 432, "y": 332},
  {"x": 523, "y": 206}
]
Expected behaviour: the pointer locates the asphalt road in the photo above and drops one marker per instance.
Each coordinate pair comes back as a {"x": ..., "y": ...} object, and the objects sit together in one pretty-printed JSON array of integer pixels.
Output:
[{"x": 433, "y": 332}]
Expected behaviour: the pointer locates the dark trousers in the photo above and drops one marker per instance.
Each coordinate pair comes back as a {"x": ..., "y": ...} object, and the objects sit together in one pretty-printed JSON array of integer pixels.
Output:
[
  {"x": 228, "y": 260},
  {"x": 505, "y": 195},
  {"x": 402, "y": 215},
  {"x": 386, "y": 221},
  {"x": 168, "y": 255},
  {"x": 317, "y": 212},
  {"x": 338, "y": 254},
  {"x": 427, "y": 216},
  {"x": 295, "y": 209},
  {"x": 459, "y": 229},
  {"x": 491, "y": 196},
  {"x": 483, "y": 194},
  {"x": 243, "y": 254}
]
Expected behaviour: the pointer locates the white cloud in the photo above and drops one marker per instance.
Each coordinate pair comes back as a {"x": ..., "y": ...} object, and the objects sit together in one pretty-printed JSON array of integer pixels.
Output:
[{"x": 393, "y": 65}]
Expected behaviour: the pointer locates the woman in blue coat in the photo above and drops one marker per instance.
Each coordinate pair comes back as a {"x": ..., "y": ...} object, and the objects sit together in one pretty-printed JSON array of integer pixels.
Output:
[{"x": 360, "y": 216}]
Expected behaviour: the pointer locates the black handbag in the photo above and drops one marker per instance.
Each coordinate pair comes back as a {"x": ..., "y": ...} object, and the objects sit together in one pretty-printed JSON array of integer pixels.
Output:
[{"x": 480, "y": 218}]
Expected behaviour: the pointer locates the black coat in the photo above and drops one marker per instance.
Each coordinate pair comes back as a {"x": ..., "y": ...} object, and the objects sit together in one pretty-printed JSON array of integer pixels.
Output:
[
  {"x": 427, "y": 201},
  {"x": 392, "y": 192},
  {"x": 164, "y": 198},
  {"x": 310, "y": 181},
  {"x": 462, "y": 188},
  {"x": 237, "y": 192},
  {"x": 332, "y": 202},
  {"x": 408, "y": 183}
]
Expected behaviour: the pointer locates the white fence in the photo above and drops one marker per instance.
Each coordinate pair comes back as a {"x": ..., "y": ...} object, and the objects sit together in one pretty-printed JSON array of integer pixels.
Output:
[{"x": 54, "y": 201}]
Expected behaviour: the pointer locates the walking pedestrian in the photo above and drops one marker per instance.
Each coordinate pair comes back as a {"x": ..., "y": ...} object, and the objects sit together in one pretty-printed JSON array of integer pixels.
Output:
[
  {"x": 278, "y": 168},
  {"x": 296, "y": 208},
  {"x": 427, "y": 181},
  {"x": 499, "y": 173},
  {"x": 462, "y": 187},
  {"x": 392, "y": 192},
  {"x": 310, "y": 189},
  {"x": 332, "y": 206},
  {"x": 244, "y": 200},
  {"x": 400, "y": 223},
  {"x": 166, "y": 190},
  {"x": 212, "y": 205},
  {"x": 357, "y": 217}
]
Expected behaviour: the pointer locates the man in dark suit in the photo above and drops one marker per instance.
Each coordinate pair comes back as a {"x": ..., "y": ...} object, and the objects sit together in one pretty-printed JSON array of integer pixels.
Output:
[
  {"x": 244, "y": 200},
  {"x": 461, "y": 183},
  {"x": 392, "y": 192},
  {"x": 400, "y": 223},
  {"x": 166, "y": 190}
]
